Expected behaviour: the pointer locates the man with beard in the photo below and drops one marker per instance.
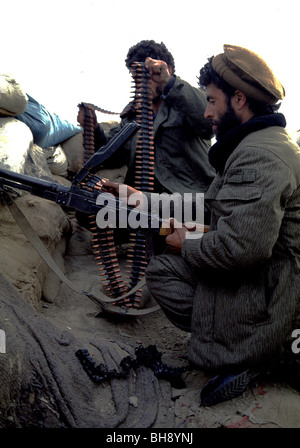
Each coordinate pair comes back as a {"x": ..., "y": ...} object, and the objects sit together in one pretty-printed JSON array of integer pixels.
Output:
[{"x": 236, "y": 288}]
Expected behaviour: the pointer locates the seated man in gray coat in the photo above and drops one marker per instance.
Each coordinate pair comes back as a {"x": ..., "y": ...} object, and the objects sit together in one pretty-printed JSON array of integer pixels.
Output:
[{"x": 236, "y": 288}]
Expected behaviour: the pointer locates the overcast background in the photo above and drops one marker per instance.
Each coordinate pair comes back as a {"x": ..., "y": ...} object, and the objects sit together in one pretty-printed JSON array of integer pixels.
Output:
[{"x": 64, "y": 52}]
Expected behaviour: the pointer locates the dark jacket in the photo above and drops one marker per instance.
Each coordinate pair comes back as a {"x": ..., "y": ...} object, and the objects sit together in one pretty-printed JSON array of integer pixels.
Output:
[{"x": 181, "y": 140}]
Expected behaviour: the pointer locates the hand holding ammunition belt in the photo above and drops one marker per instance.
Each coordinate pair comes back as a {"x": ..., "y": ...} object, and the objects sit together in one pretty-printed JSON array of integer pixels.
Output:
[{"x": 103, "y": 239}]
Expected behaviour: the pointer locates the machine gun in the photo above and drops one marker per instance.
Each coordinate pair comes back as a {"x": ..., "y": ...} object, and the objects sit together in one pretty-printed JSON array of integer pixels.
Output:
[
  {"x": 82, "y": 195},
  {"x": 82, "y": 199}
]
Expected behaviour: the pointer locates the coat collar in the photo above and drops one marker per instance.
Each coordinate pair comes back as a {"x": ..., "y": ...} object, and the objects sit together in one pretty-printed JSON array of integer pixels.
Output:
[{"x": 221, "y": 150}]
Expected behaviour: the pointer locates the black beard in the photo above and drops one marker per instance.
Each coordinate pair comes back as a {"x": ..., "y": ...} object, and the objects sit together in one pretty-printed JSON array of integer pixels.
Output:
[
  {"x": 227, "y": 122},
  {"x": 156, "y": 99}
]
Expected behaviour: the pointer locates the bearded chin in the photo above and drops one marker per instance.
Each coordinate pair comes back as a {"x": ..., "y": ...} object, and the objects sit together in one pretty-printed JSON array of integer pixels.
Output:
[
  {"x": 227, "y": 122},
  {"x": 156, "y": 99}
]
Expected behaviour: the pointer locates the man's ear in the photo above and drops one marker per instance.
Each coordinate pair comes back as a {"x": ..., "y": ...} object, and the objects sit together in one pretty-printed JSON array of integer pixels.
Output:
[
  {"x": 239, "y": 103},
  {"x": 239, "y": 99}
]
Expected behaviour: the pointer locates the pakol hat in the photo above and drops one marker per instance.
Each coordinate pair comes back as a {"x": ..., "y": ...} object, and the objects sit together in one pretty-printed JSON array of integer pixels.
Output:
[{"x": 248, "y": 72}]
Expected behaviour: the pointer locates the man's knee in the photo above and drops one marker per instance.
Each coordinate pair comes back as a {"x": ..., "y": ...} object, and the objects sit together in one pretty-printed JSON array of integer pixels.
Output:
[
  {"x": 159, "y": 266},
  {"x": 170, "y": 267},
  {"x": 170, "y": 289}
]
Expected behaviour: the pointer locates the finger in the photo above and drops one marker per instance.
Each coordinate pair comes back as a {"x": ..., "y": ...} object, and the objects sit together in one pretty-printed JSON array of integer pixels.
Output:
[
  {"x": 172, "y": 222},
  {"x": 149, "y": 63},
  {"x": 110, "y": 187},
  {"x": 175, "y": 224}
]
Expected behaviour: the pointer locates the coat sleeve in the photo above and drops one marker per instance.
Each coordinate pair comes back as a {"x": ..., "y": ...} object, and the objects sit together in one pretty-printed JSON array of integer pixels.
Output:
[
  {"x": 249, "y": 210},
  {"x": 191, "y": 102}
]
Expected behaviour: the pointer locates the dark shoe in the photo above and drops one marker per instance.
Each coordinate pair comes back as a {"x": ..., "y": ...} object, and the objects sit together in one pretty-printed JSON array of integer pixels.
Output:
[{"x": 225, "y": 387}]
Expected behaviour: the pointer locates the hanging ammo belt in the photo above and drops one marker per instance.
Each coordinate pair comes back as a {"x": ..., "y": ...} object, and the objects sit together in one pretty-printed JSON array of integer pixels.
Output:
[
  {"x": 103, "y": 239},
  {"x": 144, "y": 172},
  {"x": 88, "y": 135},
  {"x": 103, "y": 246}
]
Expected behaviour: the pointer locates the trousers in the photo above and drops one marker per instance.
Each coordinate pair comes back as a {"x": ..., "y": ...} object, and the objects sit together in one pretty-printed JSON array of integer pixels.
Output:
[{"x": 172, "y": 283}]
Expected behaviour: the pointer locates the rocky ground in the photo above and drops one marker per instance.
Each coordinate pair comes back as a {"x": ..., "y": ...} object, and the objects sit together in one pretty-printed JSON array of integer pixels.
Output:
[{"x": 263, "y": 405}]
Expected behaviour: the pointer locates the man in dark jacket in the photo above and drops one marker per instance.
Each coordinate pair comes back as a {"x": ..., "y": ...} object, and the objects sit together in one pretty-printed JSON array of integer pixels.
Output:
[
  {"x": 236, "y": 288},
  {"x": 180, "y": 131}
]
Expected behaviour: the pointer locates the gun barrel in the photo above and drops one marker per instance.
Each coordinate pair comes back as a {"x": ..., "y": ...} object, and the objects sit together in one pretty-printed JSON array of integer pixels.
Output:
[{"x": 19, "y": 180}]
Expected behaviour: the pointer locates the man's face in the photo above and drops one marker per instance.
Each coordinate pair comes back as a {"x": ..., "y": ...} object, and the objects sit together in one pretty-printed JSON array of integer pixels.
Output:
[
  {"x": 220, "y": 112},
  {"x": 155, "y": 91}
]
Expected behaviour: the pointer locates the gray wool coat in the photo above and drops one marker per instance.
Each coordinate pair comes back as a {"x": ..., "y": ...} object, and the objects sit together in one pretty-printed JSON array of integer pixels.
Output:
[{"x": 237, "y": 288}]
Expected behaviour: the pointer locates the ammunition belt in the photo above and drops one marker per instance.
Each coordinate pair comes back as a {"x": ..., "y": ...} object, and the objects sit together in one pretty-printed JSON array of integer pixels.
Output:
[
  {"x": 99, "y": 109},
  {"x": 88, "y": 129},
  {"x": 103, "y": 245},
  {"x": 144, "y": 171}
]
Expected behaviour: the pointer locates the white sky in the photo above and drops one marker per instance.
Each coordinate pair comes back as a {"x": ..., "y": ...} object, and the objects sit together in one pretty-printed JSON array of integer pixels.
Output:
[{"x": 64, "y": 52}]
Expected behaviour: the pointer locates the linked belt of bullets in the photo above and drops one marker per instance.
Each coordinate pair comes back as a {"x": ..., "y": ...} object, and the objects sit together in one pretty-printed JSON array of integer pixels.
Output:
[
  {"x": 99, "y": 109},
  {"x": 88, "y": 134},
  {"x": 103, "y": 244},
  {"x": 88, "y": 129}
]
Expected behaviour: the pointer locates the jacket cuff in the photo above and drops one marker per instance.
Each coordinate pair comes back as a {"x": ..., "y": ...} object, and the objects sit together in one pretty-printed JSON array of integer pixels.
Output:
[{"x": 168, "y": 86}]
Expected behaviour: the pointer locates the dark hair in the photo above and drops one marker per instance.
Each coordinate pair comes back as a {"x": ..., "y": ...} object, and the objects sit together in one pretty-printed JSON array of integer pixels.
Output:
[
  {"x": 152, "y": 49},
  {"x": 209, "y": 76}
]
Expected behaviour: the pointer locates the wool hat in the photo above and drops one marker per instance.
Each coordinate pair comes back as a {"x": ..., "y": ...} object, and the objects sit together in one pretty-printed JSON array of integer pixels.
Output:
[{"x": 248, "y": 72}]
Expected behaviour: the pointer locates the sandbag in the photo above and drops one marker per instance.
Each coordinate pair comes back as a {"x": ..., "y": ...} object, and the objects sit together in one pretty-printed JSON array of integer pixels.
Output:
[
  {"x": 13, "y": 100},
  {"x": 73, "y": 148},
  {"x": 20, "y": 264},
  {"x": 57, "y": 160},
  {"x": 15, "y": 142},
  {"x": 47, "y": 128}
]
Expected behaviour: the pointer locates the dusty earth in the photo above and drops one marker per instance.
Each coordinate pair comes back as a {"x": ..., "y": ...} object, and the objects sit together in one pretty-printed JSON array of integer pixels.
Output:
[{"x": 264, "y": 405}]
